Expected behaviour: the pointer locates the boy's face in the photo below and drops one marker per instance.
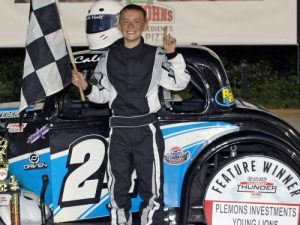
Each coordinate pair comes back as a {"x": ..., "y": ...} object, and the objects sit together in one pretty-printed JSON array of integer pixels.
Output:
[{"x": 132, "y": 24}]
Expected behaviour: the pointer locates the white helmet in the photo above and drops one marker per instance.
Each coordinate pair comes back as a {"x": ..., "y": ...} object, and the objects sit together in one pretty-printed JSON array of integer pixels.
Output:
[
  {"x": 30, "y": 211},
  {"x": 101, "y": 23}
]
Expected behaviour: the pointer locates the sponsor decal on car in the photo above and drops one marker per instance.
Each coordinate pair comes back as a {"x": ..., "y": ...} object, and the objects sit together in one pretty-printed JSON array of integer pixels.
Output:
[
  {"x": 9, "y": 114},
  {"x": 86, "y": 59},
  {"x": 224, "y": 97},
  {"x": 255, "y": 190},
  {"x": 16, "y": 127},
  {"x": 175, "y": 156},
  {"x": 258, "y": 186},
  {"x": 35, "y": 163},
  {"x": 38, "y": 134},
  {"x": 12, "y": 112}
]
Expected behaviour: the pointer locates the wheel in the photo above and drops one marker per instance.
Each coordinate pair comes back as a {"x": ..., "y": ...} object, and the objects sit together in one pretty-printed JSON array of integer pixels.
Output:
[{"x": 206, "y": 167}]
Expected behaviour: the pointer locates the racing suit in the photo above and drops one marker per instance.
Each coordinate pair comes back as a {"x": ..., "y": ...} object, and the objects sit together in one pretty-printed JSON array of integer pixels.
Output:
[{"x": 129, "y": 80}]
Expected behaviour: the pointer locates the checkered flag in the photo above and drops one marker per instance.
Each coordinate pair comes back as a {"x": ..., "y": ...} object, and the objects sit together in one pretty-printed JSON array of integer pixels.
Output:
[{"x": 47, "y": 64}]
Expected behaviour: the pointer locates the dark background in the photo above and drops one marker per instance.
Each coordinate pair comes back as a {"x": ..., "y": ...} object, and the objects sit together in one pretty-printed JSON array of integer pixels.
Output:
[{"x": 265, "y": 75}]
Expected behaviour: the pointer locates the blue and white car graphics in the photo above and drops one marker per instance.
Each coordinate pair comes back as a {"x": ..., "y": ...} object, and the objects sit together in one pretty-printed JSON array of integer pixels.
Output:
[
  {"x": 77, "y": 179},
  {"x": 188, "y": 139}
]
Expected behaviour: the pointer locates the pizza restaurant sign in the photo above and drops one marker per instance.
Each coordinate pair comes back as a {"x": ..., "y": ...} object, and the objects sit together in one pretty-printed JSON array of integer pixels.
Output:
[
  {"x": 253, "y": 190},
  {"x": 158, "y": 16}
]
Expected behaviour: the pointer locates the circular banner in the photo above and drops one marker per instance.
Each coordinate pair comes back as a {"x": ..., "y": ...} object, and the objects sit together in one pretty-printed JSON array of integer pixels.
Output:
[{"x": 253, "y": 190}]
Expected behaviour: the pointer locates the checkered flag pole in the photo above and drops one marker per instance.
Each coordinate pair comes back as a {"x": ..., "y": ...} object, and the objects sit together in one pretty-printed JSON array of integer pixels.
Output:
[
  {"x": 47, "y": 62},
  {"x": 69, "y": 47}
]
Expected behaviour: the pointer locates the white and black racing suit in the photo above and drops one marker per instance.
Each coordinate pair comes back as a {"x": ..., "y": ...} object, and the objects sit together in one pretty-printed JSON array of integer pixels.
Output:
[{"x": 129, "y": 80}]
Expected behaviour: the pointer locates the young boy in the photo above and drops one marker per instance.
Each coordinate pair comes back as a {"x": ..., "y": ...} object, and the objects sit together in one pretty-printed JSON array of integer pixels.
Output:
[{"x": 129, "y": 78}]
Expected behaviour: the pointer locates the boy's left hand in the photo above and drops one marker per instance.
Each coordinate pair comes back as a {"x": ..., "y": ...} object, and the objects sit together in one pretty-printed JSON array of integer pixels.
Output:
[{"x": 169, "y": 42}]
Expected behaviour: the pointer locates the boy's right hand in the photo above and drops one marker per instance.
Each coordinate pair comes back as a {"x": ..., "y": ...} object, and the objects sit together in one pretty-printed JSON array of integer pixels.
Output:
[{"x": 78, "y": 79}]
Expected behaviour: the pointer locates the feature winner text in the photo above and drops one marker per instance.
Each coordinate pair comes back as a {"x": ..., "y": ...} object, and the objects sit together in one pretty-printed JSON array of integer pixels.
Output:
[{"x": 269, "y": 173}]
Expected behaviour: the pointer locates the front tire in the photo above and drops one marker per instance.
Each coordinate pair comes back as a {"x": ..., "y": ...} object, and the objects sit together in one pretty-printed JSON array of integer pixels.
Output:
[{"x": 220, "y": 153}]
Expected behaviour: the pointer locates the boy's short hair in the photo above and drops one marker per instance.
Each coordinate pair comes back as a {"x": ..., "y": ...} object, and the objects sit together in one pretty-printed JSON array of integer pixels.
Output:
[{"x": 134, "y": 7}]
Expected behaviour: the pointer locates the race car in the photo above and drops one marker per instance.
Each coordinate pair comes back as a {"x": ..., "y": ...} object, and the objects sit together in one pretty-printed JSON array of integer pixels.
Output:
[{"x": 226, "y": 160}]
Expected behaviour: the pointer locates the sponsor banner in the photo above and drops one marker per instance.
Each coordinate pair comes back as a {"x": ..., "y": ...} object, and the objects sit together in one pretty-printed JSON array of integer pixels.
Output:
[
  {"x": 255, "y": 190},
  {"x": 205, "y": 22},
  {"x": 236, "y": 213}
]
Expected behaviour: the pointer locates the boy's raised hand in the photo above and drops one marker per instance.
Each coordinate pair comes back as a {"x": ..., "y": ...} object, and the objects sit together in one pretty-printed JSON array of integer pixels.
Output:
[{"x": 169, "y": 42}]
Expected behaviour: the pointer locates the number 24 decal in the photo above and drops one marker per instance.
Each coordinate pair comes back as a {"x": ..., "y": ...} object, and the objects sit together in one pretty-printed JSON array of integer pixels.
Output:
[{"x": 86, "y": 165}]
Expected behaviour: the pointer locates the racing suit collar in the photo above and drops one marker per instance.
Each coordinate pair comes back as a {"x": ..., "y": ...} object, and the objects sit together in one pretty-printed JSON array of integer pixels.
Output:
[{"x": 130, "y": 52}]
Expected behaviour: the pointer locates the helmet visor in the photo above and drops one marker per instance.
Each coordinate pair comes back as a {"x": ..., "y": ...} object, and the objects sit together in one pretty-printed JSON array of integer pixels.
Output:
[{"x": 98, "y": 23}]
